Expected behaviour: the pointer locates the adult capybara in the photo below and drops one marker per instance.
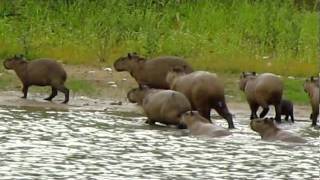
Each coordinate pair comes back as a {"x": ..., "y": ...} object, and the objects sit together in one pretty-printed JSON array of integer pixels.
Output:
[
  {"x": 150, "y": 72},
  {"x": 200, "y": 126},
  {"x": 287, "y": 109},
  {"x": 40, "y": 72},
  {"x": 311, "y": 86},
  {"x": 164, "y": 106},
  {"x": 203, "y": 89},
  {"x": 262, "y": 90},
  {"x": 269, "y": 131}
]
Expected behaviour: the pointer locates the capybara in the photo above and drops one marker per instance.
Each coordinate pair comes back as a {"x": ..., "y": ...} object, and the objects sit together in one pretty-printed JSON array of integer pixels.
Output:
[
  {"x": 270, "y": 132},
  {"x": 287, "y": 109},
  {"x": 311, "y": 86},
  {"x": 164, "y": 106},
  {"x": 203, "y": 89},
  {"x": 150, "y": 72},
  {"x": 262, "y": 90},
  {"x": 39, "y": 72},
  {"x": 200, "y": 126}
]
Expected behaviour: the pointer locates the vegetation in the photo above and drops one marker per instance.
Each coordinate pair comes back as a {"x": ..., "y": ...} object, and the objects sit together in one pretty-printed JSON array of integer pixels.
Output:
[{"x": 222, "y": 35}]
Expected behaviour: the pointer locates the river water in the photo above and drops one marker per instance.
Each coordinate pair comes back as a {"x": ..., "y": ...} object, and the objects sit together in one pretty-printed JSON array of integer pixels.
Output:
[{"x": 74, "y": 144}]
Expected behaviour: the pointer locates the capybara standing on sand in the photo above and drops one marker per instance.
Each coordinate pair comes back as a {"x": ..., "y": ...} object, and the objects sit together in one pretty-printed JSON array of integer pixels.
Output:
[
  {"x": 203, "y": 89},
  {"x": 151, "y": 72},
  {"x": 200, "y": 126},
  {"x": 311, "y": 86},
  {"x": 164, "y": 106},
  {"x": 40, "y": 72},
  {"x": 287, "y": 109},
  {"x": 262, "y": 90},
  {"x": 270, "y": 132}
]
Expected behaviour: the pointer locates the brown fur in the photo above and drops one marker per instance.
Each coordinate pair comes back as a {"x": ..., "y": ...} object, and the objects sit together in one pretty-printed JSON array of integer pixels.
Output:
[
  {"x": 201, "y": 126},
  {"x": 164, "y": 106},
  {"x": 204, "y": 90},
  {"x": 311, "y": 86},
  {"x": 40, "y": 72},
  {"x": 269, "y": 131},
  {"x": 262, "y": 90},
  {"x": 151, "y": 72}
]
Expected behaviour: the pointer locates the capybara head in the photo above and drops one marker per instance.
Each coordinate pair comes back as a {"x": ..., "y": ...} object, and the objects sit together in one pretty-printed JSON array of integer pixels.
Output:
[
  {"x": 310, "y": 83},
  {"x": 14, "y": 62},
  {"x": 127, "y": 63},
  {"x": 261, "y": 125},
  {"x": 175, "y": 72},
  {"x": 136, "y": 95},
  {"x": 244, "y": 77},
  {"x": 190, "y": 117}
]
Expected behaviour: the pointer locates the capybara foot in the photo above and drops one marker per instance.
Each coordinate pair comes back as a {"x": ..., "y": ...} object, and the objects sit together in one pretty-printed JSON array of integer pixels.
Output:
[{"x": 48, "y": 99}]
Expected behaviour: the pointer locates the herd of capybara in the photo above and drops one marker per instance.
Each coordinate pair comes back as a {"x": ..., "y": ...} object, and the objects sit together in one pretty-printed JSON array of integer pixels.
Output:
[{"x": 172, "y": 93}]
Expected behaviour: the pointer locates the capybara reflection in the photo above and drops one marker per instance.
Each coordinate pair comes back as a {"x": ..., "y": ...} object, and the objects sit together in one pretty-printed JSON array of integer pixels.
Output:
[
  {"x": 311, "y": 86},
  {"x": 262, "y": 90},
  {"x": 150, "y": 72},
  {"x": 287, "y": 109},
  {"x": 39, "y": 72},
  {"x": 164, "y": 106},
  {"x": 204, "y": 90},
  {"x": 200, "y": 126},
  {"x": 268, "y": 130}
]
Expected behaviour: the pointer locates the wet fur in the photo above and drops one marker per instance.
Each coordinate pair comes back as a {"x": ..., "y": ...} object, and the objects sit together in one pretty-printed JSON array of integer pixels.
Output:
[
  {"x": 201, "y": 126},
  {"x": 270, "y": 132},
  {"x": 261, "y": 91},
  {"x": 164, "y": 106},
  {"x": 204, "y": 90}
]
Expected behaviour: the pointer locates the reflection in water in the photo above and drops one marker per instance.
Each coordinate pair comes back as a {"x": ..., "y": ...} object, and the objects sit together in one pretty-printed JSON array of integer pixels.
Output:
[{"x": 82, "y": 145}]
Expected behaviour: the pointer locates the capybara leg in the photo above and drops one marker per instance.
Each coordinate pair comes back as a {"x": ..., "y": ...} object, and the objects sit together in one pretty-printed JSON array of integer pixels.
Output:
[
  {"x": 254, "y": 109},
  {"x": 150, "y": 121},
  {"x": 264, "y": 112},
  {"x": 205, "y": 112},
  {"x": 54, "y": 93},
  {"x": 181, "y": 126},
  {"x": 315, "y": 114},
  {"x": 224, "y": 112},
  {"x": 287, "y": 117},
  {"x": 25, "y": 91},
  {"x": 66, "y": 93},
  {"x": 292, "y": 118},
  {"x": 278, "y": 113}
]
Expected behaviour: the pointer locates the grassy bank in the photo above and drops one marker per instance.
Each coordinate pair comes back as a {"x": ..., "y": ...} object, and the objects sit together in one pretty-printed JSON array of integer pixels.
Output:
[{"x": 225, "y": 36}]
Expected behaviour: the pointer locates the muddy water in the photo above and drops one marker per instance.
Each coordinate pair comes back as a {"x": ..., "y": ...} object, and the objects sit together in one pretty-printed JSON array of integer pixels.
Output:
[{"x": 57, "y": 144}]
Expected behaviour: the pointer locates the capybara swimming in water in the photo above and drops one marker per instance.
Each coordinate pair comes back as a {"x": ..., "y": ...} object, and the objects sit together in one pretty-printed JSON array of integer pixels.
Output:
[
  {"x": 269, "y": 131},
  {"x": 150, "y": 72},
  {"x": 164, "y": 106},
  {"x": 39, "y": 72},
  {"x": 262, "y": 90},
  {"x": 204, "y": 90},
  {"x": 311, "y": 86},
  {"x": 200, "y": 126}
]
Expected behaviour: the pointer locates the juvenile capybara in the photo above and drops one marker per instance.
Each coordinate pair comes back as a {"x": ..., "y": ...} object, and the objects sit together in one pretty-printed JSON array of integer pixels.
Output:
[
  {"x": 287, "y": 109},
  {"x": 270, "y": 132},
  {"x": 164, "y": 106},
  {"x": 203, "y": 89},
  {"x": 39, "y": 72},
  {"x": 150, "y": 72},
  {"x": 262, "y": 90},
  {"x": 311, "y": 86},
  {"x": 200, "y": 126}
]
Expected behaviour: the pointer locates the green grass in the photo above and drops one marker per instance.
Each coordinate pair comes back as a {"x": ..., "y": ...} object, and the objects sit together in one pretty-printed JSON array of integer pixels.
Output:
[
  {"x": 81, "y": 86},
  {"x": 294, "y": 91},
  {"x": 226, "y": 36}
]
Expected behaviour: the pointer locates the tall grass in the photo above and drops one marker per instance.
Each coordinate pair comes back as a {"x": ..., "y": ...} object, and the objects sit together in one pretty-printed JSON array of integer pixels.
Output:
[{"x": 221, "y": 35}]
